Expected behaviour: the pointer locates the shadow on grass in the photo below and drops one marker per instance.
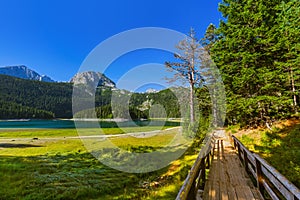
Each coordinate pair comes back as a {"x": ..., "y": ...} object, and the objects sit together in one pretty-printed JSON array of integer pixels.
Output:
[
  {"x": 12, "y": 145},
  {"x": 282, "y": 150},
  {"x": 77, "y": 176},
  {"x": 71, "y": 176}
]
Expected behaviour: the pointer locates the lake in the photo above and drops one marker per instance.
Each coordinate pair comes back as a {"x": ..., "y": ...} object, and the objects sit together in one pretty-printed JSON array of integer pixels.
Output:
[{"x": 56, "y": 124}]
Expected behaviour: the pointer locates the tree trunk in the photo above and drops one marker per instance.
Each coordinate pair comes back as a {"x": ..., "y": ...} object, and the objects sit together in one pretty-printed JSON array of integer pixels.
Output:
[
  {"x": 192, "y": 112},
  {"x": 293, "y": 90},
  {"x": 214, "y": 108}
]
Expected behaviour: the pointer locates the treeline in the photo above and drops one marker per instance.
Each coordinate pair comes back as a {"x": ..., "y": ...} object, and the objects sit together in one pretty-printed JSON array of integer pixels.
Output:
[
  {"x": 55, "y": 98},
  {"x": 21, "y": 98},
  {"x": 12, "y": 111},
  {"x": 257, "y": 49},
  {"x": 123, "y": 104}
]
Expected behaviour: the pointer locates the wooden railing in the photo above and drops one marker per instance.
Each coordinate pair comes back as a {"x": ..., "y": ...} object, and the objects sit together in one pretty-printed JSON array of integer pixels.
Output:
[
  {"x": 267, "y": 178},
  {"x": 197, "y": 176}
]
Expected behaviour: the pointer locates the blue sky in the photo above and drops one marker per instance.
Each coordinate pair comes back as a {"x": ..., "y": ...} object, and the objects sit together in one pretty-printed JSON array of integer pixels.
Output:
[{"x": 54, "y": 37}]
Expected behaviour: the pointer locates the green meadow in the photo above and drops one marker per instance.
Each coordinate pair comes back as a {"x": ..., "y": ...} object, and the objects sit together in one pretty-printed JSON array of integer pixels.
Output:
[
  {"x": 45, "y": 133},
  {"x": 54, "y": 164}
]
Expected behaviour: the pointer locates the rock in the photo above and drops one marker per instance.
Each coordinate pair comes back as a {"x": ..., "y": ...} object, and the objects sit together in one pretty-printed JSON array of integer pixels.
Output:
[
  {"x": 21, "y": 71},
  {"x": 92, "y": 79}
]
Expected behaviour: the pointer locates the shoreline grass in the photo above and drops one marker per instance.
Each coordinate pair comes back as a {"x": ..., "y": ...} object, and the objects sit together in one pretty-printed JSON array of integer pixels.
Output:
[
  {"x": 63, "y": 169},
  {"x": 72, "y": 132}
]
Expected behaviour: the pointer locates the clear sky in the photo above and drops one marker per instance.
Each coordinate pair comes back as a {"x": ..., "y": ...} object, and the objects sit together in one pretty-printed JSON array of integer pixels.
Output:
[{"x": 53, "y": 37}]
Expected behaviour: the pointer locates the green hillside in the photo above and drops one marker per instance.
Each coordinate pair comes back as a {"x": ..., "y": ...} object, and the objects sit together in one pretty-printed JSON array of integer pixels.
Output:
[
  {"x": 11, "y": 110},
  {"x": 18, "y": 93},
  {"x": 20, "y": 98}
]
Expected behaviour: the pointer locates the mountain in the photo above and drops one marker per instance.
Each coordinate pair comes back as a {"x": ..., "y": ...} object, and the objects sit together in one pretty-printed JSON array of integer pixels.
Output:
[
  {"x": 21, "y": 98},
  {"x": 92, "y": 79},
  {"x": 21, "y": 71}
]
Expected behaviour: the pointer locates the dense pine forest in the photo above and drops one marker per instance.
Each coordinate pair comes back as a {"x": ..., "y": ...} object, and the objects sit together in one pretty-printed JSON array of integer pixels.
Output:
[
  {"x": 33, "y": 99},
  {"x": 257, "y": 49},
  {"x": 23, "y": 97}
]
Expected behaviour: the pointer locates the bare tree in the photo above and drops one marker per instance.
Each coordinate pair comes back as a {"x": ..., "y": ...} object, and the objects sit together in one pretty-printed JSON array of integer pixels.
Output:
[{"x": 190, "y": 58}]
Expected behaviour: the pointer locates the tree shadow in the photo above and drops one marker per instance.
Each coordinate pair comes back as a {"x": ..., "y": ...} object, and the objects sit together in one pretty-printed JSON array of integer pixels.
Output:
[
  {"x": 13, "y": 145},
  {"x": 60, "y": 176},
  {"x": 281, "y": 149},
  {"x": 75, "y": 176}
]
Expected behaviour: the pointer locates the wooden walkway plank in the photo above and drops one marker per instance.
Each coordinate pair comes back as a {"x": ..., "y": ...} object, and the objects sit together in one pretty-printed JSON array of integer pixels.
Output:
[{"x": 227, "y": 179}]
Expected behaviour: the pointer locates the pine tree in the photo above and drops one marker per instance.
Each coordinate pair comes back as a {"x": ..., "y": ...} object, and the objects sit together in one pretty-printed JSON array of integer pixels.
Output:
[
  {"x": 287, "y": 33},
  {"x": 244, "y": 53},
  {"x": 212, "y": 77}
]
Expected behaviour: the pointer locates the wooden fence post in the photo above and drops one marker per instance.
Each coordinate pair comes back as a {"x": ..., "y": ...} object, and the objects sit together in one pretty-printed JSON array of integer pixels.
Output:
[
  {"x": 192, "y": 194},
  {"x": 259, "y": 176},
  {"x": 246, "y": 161},
  {"x": 208, "y": 162},
  {"x": 203, "y": 175},
  {"x": 239, "y": 151}
]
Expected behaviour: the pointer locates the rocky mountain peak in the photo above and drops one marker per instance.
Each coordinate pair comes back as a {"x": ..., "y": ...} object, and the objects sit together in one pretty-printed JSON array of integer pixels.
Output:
[
  {"x": 21, "y": 71},
  {"x": 92, "y": 79}
]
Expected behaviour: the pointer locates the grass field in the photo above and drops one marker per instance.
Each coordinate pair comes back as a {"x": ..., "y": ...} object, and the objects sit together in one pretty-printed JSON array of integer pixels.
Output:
[
  {"x": 42, "y": 133},
  {"x": 56, "y": 167},
  {"x": 279, "y": 146}
]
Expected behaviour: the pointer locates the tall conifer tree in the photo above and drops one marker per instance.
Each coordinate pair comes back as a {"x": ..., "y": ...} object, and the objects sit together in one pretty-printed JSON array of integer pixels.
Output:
[{"x": 255, "y": 83}]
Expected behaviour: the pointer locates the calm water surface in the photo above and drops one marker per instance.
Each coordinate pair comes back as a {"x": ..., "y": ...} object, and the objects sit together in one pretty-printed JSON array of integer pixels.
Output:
[{"x": 21, "y": 124}]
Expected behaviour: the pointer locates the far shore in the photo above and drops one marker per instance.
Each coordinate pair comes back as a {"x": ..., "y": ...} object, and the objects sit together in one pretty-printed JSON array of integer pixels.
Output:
[{"x": 88, "y": 119}]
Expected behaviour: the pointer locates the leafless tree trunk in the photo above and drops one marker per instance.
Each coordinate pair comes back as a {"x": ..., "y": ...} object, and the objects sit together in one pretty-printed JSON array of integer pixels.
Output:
[{"x": 189, "y": 66}]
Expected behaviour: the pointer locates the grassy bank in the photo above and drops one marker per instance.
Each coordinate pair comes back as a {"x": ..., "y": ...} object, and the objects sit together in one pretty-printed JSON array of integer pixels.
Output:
[
  {"x": 61, "y": 168},
  {"x": 42, "y": 133},
  {"x": 279, "y": 146}
]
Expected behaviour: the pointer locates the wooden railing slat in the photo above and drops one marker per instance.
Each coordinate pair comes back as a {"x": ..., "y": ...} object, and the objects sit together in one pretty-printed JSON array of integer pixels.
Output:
[
  {"x": 267, "y": 177},
  {"x": 188, "y": 189},
  {"x": 287, "y": 184},
  {"x": 252, "y": 171},
  {"x": 270, "y": 191},
  {"x": 287, "y": 194},
  {"x": 260, "y": 170},
  {"x": 251, "y": 158}
]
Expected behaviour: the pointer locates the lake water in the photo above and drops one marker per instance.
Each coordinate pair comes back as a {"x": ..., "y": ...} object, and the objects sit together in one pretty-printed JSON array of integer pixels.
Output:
[
  {"x": 21, "y": 124},
  {"x": 37, "y": 124}
]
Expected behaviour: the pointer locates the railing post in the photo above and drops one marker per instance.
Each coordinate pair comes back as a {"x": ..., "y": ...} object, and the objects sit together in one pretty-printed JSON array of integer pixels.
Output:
[
  {"x": 246, "y": 161},
  {"x": 259, "y": 176},
  {"x": 234, "y": 142},
  {"x": 208, "y": 162},
  {"x": 192, "y": 192},
  {"x": 203, "y": 175},
  {"x": 239, "y": 151}
]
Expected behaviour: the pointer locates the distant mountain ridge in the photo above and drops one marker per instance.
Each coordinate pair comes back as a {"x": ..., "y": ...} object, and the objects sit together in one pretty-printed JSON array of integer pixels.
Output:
[
  {"x": 92, "y": 79},
  {"x": 21, "y": 71},
  {"x": 26, "y": 99}
]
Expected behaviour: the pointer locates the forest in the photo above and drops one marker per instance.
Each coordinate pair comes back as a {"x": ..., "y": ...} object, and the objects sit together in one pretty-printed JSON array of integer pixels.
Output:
[
  {"x": 257, "y": 50},
  {"x": 33, "y": 99},
  {"x": 256, "y": 47}
]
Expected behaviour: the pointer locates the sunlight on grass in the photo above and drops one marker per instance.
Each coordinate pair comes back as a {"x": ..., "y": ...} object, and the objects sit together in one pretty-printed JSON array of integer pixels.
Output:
[
  {"x": 54, "y": 166},
  {"x": 43, "y": 133},
  {"x": 280, "y": 147}
]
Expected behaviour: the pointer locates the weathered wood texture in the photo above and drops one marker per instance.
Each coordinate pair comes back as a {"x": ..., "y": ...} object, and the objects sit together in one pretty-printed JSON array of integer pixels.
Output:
[
  {"x": 227, "y": 178},
  {"x": 197, "y": 176},
  {"x": 269, "y": 181},
  {"x": 228, "y": 175}
]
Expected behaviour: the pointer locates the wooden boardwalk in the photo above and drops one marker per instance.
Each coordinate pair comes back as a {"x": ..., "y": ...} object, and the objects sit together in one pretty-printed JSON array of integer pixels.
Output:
[{"x": 227, "y": 178}]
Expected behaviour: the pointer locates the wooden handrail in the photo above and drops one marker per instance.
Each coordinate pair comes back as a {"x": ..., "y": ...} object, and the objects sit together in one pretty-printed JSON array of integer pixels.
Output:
[
  {"x": 267, "y": 177},
  {"x": 196, "y": 176}
]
